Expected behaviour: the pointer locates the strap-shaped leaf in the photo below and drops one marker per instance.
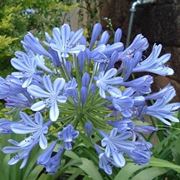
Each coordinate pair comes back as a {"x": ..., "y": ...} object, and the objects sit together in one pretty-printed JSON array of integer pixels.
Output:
[
  {"x": 155, "y": 162},
  {"x": 150, "y": 173},
  {"x": 126, "y": 172},
  {"x": 90, "y": 169}
]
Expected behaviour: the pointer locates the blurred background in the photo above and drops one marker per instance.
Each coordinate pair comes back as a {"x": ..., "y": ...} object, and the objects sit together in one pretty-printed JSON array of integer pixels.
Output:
[{"x": 158, "y": 20}]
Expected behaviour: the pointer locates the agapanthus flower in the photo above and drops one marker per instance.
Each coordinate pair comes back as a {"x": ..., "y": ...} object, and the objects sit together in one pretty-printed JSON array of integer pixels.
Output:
[
  {"x": 50, "y": 98},
  {"x": 90, "y": 93},
  {"x": 118, "y": 144},
  {"x": 13, "y": 93},
  {"x": 67, "y": 135},
  {"x": 21, "y": 150},
  {"x": 124, "y": 102},
  {"x": 162, "y": 110},
  {"x": 66, "y": 42},
  {"x": 35, "y": 127},
  {"x": 105, "y": 163},
  {"x": 51, "y": 162},
  {"x": 129, "y": 125},
  {"x": 154, "y": 63},
  {"x": 33, "y": 43},
  {"x": 105, "y": 82}
]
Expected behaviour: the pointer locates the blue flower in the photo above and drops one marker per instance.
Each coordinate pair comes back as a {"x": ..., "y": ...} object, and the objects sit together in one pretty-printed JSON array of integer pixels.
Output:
[
  {"x": 88, "y": 128},
  {"x": 29, "y": 11},
  {"x": 169, "y": 89},
  {"x": 97, "y": 28},
  {"x": 129, "y": 125},
  {"x": 155, "y": 64},
  {"x": 141, "y": 85},
  {"x": 104, "y": 38},
  {"x": 48, "y": 160},
  {"x": 21, "y": 150},
  {"x": 13, "y": 93},
  {"x": 105, "y": 80},
  {"x": 28, "y": 65},
  {"x": 162, "y": 110},
  {"x": 66, "y": 42},
  {"x": 51, "y": 96},
  {"x": 140, "y": 43},
  {"x": 129, "y": 63},
  {"x": 141, "y": 154},
  {"x": 124, "y": 102},
  {"x": 116, "y": 145},
  {"x": 117, "y": 35},
  {"x": 105, "y": 163},
  {"x": 85, "y": 79},
  {"x": 36, "y": 127},
  {"x": 84, "y": 94},
  {"x": 67, "y": 135},
  {"x": 70, "y": 89},
  {"x": 54, "y": 162},
  {"x": 46, "y": 155},
  {"x": 27, "y": 68},
  {"x": 32, "y": 43}
]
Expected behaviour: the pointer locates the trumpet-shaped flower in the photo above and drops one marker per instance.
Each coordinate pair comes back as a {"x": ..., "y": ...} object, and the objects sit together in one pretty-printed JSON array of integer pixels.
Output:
[
  {"x": 154, "y": 63},
  {"x": 21, "y": 150},
  {"x": 33, "y": 43},
  {"x": 105, "y": 82},
  {"x": 48, "y": 160},
  {"x": 50, "y": 98},
  {"x": 66, "y": 42},
  {"x": 116, "y": 145},
  {"x": 35, "y": 127},
  {"x": 124, "y": 102},
  {"x": 162, "y": 110},
  {"x": 141, "y": 85},
  {"x": 67, "y": 135},
  {"x": 27, "y": 67}
]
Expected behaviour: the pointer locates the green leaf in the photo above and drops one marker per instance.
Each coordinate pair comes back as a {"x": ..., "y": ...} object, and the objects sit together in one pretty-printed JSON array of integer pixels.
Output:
[
  {"x": 155, "y": 162},
  {"x": 126, "y": 172},
  {"x": 149, "y": 173},
  {"x": 90, "y": 169},
  {"x": 72, "y": 155}
]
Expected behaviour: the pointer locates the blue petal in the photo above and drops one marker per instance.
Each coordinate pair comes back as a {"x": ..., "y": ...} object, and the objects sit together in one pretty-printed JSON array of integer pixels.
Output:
[
  {"x": 118, "y": 159},
  {"x": 36, "y": 91},
  {"x": 104, "y": 38},
  {"x": 42, "y": 141},
  {"x": 97, "y": 28},
  {"x": 38, "y": 106},
  {"x": 54, "y": 112},
  {"x": 75, "y": 38},
  {"x": 47, "y": 83},
  {"x": 118, "y": 35},
  {"x": 46, "y": 155},
  {"x": 58, "y": 85},
  {"x": 22, "y": 129}
]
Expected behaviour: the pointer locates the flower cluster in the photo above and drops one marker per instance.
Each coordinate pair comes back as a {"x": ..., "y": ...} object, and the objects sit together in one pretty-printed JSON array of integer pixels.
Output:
[{"x": 70, "y": 87}]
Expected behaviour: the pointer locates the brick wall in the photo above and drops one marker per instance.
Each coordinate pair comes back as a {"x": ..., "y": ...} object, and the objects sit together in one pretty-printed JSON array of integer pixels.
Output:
[{"x": 159, "y": 22}]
